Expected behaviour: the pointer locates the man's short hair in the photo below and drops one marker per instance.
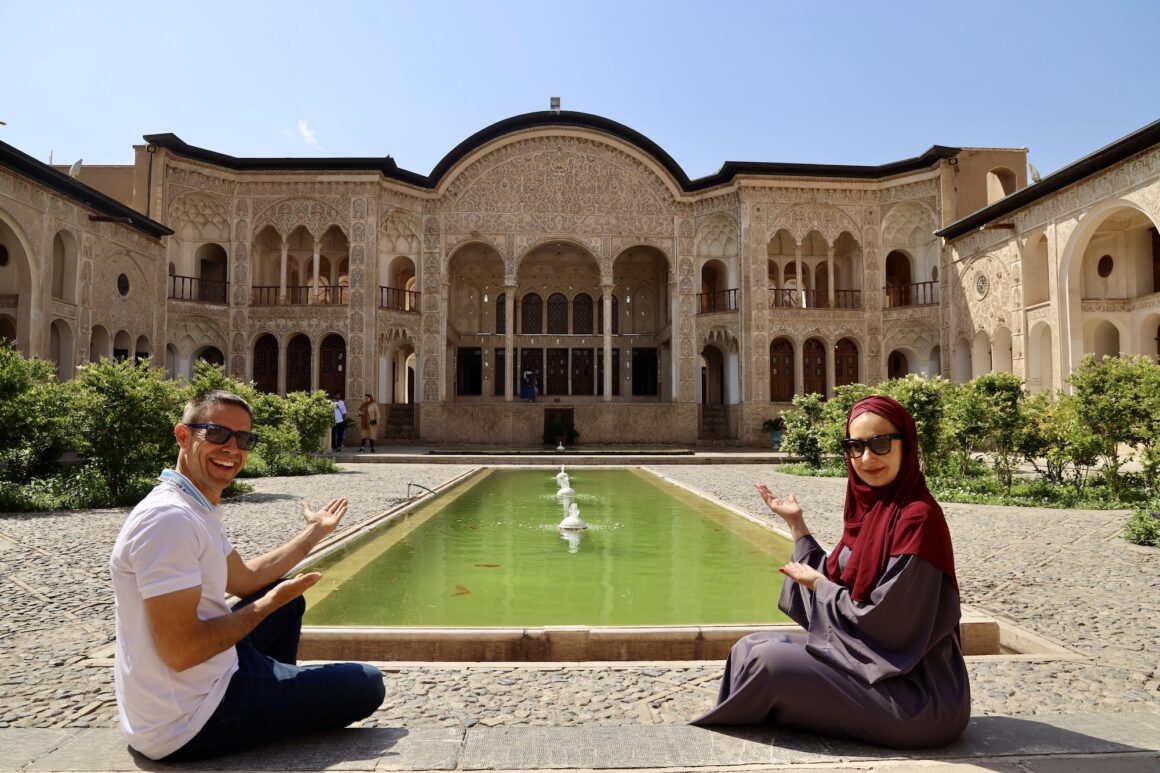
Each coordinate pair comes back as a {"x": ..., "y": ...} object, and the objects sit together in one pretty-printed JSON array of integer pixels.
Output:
[{"x": 202, "y": 402}]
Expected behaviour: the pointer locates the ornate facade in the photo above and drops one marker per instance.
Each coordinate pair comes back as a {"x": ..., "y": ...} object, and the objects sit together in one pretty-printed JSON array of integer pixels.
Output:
[{"x": 568, "y": 249}]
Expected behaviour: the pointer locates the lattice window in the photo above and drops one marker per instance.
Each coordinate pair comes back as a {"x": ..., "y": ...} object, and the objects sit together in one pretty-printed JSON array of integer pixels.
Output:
[
  {"x": 501, "y": 314},
  {"x": 532, "y": 318},
  {"x": 582, "y": 314},
  {"x": 557, "y": 314}
]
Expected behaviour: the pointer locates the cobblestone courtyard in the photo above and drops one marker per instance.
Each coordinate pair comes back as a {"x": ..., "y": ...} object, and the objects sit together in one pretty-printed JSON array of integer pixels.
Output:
[{"x": 1066, "y": 575}]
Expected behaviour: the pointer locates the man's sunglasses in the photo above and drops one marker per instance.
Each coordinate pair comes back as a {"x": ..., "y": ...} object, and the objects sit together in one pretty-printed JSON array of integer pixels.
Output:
[
  {"x": 219, "y": 435},
  {"x": 879, "y": 444}
]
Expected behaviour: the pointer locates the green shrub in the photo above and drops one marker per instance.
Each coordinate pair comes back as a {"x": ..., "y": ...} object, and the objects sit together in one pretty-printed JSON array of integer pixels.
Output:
[
  {"x": 923, "y": 398},
  {"x": 35, "y": 426},
  {"x": 805, "y": 431},
  {"x": 1143, "y": 528},
  {"x": 124, "y": 419},
  {"x": 1119, "y": 399}
]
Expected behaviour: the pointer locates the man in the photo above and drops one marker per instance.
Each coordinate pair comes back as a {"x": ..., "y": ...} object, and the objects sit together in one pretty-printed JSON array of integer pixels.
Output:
[
  {"x": 338, "y": 432},
  {"x": 195, "y": 678}
]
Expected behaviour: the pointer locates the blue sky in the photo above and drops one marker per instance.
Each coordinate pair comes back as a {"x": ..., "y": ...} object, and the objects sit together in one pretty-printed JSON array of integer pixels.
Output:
[{"x": 809, "y": 81}]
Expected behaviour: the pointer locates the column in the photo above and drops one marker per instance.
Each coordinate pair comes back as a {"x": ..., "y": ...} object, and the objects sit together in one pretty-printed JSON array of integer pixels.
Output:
[
  {"x": 509, "y": 342},
  {"x": 830, "y": 375},
  {"x": 282, "y": 368},
  {"x": 801, "y": 282},
  {"x": 799, "y": 370},
  {"x": 315, "y": 360},
  {"x": 282, "y": 271},
  {"x": 314, "y": 289},
  {"x": 830, "y": 273},
  {"x": 607, "y": 333}
]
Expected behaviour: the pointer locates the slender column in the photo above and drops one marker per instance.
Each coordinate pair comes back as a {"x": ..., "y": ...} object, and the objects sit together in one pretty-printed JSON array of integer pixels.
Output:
[
  {"x": 830, "y": 376},
  {"x": 607, "y": 333},
  {"x": 799, "y": 370},
  {"x": 315, "y": 365},
  {"x": 314, "y": 289},
  {"x": 282, "y": 368},
  {"x": 801, "y": 282},
  {"x": 282, "y": 271},
  {"x": 830, "y": 273},
  {"x": 509, "y": 342}
]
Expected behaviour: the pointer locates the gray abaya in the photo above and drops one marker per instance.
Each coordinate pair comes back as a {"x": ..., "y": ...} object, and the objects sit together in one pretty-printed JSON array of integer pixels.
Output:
[{"x": 889, "y": 671}]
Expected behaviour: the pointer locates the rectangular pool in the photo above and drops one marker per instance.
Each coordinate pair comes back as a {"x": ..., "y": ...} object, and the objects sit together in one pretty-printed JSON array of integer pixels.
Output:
[{"x": 488, "y": 554}]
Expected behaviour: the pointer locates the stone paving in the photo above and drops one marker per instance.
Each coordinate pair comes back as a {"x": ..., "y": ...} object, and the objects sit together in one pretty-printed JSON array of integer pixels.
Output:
[{"x": 1067, "y": 575}]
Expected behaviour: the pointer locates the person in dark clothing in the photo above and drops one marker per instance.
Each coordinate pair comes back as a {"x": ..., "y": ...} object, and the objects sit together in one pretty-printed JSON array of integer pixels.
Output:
[{"x": 880, "y": 659}]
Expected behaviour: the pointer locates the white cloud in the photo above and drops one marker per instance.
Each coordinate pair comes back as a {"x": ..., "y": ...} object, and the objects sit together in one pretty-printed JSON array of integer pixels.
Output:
[{"x": 307, "y": 135}]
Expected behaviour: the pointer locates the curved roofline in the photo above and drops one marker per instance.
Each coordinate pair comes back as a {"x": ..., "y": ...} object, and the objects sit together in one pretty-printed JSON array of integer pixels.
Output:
[
  {"x": 553, "y": 118},
  {"x": 556, "y": 119}
]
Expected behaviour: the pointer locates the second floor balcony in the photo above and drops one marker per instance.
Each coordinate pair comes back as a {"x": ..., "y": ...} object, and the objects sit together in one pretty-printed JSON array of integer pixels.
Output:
[
  {"x": 917, "y": 294},
  {"x": 720, "y": 300},
  {"x": 192, "y": 288},
  {"x": 299, "y": 295},
  {"x": 785, "y": 298},
  {"x": 398, "y": 299}
]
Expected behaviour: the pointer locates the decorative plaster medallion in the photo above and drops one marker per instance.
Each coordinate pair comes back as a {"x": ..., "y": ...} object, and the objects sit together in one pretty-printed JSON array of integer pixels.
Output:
[{"x": 981, "y": 286}]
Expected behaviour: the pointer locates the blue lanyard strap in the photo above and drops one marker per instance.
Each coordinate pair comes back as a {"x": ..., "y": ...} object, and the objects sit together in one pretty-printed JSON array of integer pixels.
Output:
[{"x": 173, "y": 476}]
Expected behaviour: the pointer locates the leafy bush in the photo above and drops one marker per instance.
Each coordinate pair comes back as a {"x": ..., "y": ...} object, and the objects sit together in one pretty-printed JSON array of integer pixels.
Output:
[
  {"x": 1143, "y": 528},
  {"x": 1119, "y": 399},
  {"x": 923, "y": 398},
  {"x": 34, "y": 416},
  {"x": 1001, "y": 395},
  {"x": 805, "y": 432},
  {"x": 290, "y": 427},
  {"x": 124, "y": 419}
]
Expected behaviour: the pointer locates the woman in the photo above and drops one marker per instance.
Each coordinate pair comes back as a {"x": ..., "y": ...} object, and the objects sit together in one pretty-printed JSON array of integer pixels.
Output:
[
  {"x": 880, "y": 660},
  {"x": 368, "y": 421}
]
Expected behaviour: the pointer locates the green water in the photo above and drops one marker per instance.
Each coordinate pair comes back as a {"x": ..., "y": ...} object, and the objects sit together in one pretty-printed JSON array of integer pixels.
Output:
[{"x": 489, "y": 554}]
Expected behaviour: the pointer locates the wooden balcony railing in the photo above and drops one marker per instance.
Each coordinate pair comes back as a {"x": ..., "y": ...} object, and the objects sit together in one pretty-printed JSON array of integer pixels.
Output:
[
  {"x": 398, "y": 299},
  {"x": 192, "y": 288},
  {"x": 814, "y": 299},
  {"x": 298, "y": 295},
  {"x": 264, "y": 295},
  {"x": 782, "y": 298},
  {"x": 918, "y": 294},
  {"x": 720, "y": 300}
]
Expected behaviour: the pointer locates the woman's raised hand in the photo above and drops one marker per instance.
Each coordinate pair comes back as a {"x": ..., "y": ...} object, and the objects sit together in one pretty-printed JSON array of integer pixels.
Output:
[{"x": 788, "y": 508}]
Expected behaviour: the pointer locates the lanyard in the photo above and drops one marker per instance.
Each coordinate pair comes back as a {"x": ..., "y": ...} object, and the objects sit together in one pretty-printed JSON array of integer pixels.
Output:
[{"x": 173, "y": 476}]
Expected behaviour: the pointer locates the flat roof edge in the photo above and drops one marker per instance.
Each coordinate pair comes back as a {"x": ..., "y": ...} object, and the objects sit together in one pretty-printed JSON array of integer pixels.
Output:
[
  {"x": 1112, "y": 153},
  {"x": 79, "y": 192}
]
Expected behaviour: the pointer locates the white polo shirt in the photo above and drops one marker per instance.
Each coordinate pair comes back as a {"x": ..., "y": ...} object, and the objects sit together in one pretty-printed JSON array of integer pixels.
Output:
[{"x": 174, "y": 539}]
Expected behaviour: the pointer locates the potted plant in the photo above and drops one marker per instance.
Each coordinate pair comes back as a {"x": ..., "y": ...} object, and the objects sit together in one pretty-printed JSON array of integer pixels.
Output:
[
  {"x": 560, "y": 432},
  {"x": 775, "y": 427}
]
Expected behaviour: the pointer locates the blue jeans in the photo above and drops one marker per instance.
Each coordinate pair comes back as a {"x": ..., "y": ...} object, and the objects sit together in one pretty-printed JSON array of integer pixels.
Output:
[{"x": 269, "y": 697}]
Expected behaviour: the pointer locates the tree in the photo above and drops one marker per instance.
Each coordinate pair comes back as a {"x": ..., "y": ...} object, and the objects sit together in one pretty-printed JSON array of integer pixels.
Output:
[
  {"x": 34, "y": 416},
  {"x": 1118, "y": 398},
  {"x": 1000, "y": 394},
  {"x": 805, "y": 429},
  {"x": 922, "y": 397},
  {"x": 124, "y": 420},
  {"x": 964, "y": 424}
]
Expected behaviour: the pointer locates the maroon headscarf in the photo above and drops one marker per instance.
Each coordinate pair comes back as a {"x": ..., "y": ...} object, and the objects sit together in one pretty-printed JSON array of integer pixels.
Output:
[{"x": 900, "y": 518}]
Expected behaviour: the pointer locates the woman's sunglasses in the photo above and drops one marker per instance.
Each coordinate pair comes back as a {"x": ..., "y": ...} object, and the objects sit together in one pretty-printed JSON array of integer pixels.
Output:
[
  {"x": 219, "y": 435},
  {"x": 879, "y": 444}
]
